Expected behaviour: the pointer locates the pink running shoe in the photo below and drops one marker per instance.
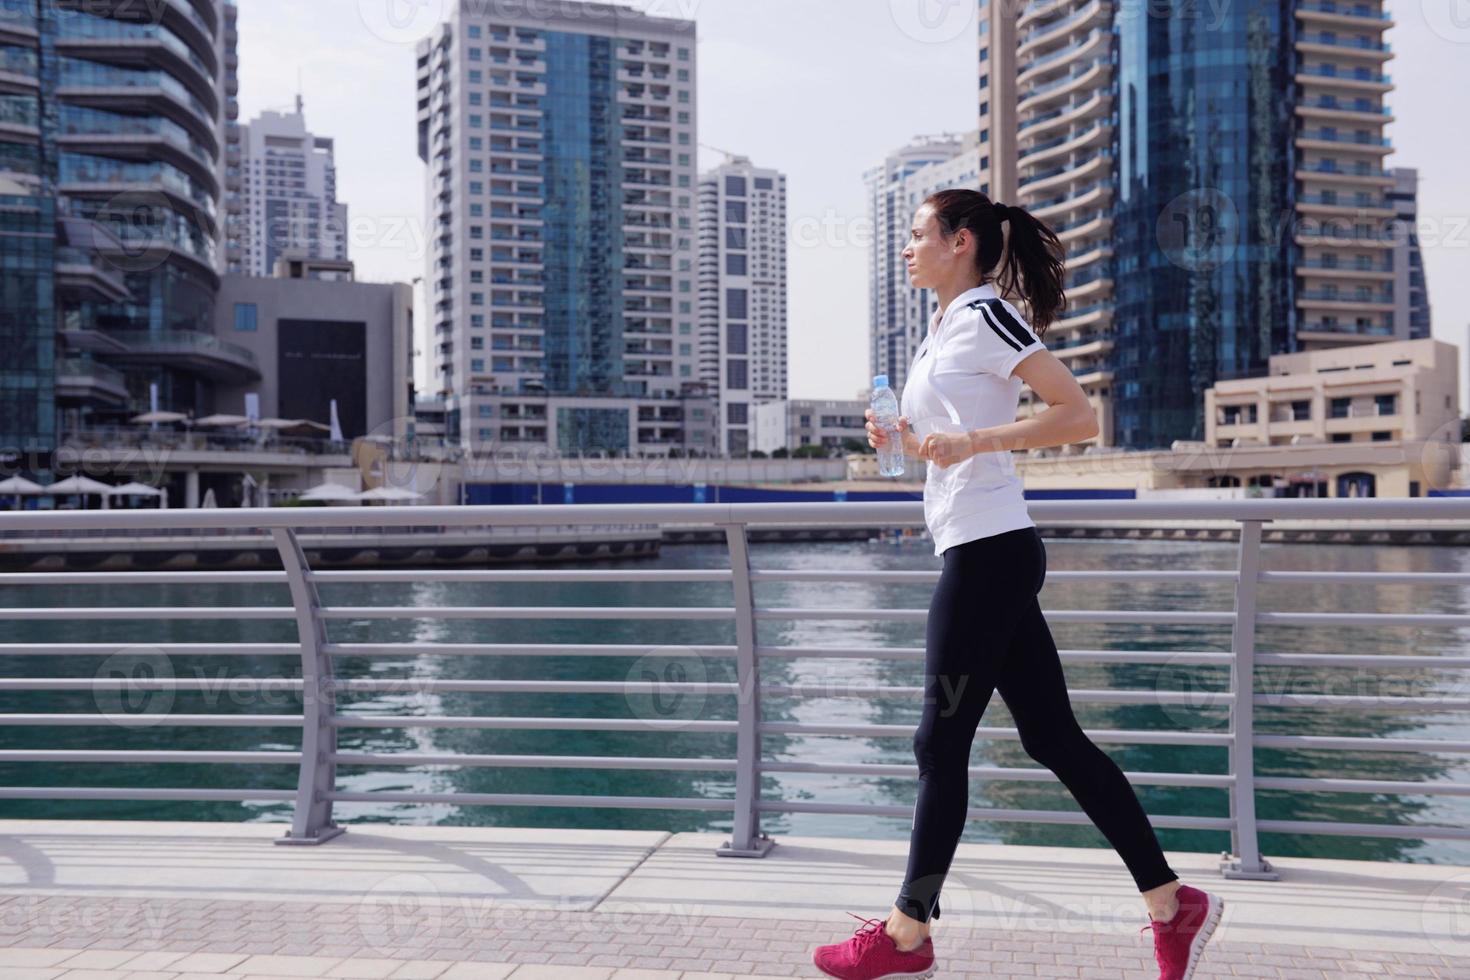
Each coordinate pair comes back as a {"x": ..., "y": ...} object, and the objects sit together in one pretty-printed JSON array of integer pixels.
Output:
[
  {"x": 1179, "y": 942},
  {"x": 871, "y": 954}
]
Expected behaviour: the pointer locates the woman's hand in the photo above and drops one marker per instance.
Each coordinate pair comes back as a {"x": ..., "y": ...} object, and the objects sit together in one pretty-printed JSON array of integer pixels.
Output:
[
  {"x": 946, "y": 448},
  {"x": 878, "y": 436}
]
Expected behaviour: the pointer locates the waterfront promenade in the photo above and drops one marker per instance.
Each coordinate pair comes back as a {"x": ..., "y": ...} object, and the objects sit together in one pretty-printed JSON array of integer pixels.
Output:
[{"x": 108, "y": 900}]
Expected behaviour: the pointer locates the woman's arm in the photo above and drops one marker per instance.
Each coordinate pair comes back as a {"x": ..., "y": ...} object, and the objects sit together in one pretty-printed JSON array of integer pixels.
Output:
[{"x": 1068, "y": 417}]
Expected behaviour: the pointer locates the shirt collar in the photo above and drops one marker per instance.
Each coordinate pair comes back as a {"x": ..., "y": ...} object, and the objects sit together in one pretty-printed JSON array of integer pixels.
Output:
[{"x": 982, "y": 291}]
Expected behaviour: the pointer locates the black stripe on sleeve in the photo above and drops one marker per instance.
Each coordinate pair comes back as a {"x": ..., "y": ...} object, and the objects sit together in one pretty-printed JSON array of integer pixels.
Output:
[
  {"x": 1014, "y": 326},
  {"x": 990, "y": 321}
]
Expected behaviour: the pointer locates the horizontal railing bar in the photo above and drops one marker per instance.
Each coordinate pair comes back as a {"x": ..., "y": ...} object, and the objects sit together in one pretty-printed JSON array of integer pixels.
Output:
[
  {"x": 1406, "y": 787},
  {"x": 527, "y": 649},
  {"x": 154, "y": 720},
  {"x": 150, "y": 683},
  {"x": 1361, "y": 619},
  {"x": 898, "y": 575},
  {"x": 150, "y": 757},
  {"x": 1367, "y": 578},
  {"x": 526, "y": 612},
  {"x": 1052, "y": 615},
  {"x": 1383, "y": 661},
  {"x": 537, "y": 687},
  {"x": 1118, "y": 735},
  {"x": 819, "y": 690},
  {"x": 1412, "y": 832},
  {"x": 110, "y": 793},
  {"x": 536, "y": 799},
  {"x": 534, "y": 724},
  {"x": 1382, "y": 702},
  {"x": 171, "y": 649},
  {"x": 148, "y": 612},
  {"x": 1081, "y": 656},
  {"x": 987, "y": 813},
  {"x": 532, "y": 761},
  {"x": 619, "y": 575},
  {"x": 1019, "y": 774},
  {"x": 176, "y": 577},
  {"x": 1360, "y": 744},
  {"x": 846, "y": 513}
]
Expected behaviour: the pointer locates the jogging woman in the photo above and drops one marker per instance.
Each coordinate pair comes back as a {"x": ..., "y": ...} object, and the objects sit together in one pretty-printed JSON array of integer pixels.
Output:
[{"x": 985, "y": 630}]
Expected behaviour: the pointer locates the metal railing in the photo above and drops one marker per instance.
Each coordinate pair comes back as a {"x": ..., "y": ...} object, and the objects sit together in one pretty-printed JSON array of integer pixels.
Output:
[{"x": 321, "y": 719}]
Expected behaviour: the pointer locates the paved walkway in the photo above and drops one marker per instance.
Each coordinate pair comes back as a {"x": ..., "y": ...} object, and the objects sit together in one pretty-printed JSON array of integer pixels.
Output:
[{"x": 96, "y": 900}]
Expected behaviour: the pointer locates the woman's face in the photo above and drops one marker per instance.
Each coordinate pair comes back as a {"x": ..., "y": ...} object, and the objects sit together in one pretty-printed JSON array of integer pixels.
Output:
[{"x": 931, "y": 259}]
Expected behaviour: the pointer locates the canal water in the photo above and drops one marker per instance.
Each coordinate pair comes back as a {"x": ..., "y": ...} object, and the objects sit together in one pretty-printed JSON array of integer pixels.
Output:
[{"x": 644, "y": 635}]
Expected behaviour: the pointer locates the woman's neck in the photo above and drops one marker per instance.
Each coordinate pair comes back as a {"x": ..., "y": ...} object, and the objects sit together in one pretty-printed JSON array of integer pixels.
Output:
[{"x": 947, "y": 293}]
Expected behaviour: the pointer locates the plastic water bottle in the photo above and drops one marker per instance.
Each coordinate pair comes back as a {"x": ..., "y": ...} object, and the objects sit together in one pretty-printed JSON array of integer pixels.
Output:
[{"x": 885, "y": 414}]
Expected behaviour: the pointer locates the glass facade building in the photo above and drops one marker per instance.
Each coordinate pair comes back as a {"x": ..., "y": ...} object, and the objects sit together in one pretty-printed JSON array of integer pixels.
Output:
[
  {"x": 1216, "y": 175},
  {"x": 115, "y": 112}
]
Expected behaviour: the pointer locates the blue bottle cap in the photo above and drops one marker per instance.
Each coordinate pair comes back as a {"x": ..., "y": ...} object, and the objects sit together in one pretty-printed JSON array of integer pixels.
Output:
[{"x": 880, "y": 381}]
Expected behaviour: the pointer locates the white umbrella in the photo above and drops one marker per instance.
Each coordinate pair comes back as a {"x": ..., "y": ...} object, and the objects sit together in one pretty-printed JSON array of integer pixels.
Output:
[
  {"x": 78, "y": 484},
  {"x": 19, "y": 484},
  {"x": 135, "y": 489},
  {"x": 330, "y": 491},
  {"x": 289, "y": 424},
  {"x": 159, "y": 417},
  {"x": 222, "y": 420},
  {"x": 336, "y": 427},
  {"x": 208, "y": 501},
  {"x": 389, "y": 493}
]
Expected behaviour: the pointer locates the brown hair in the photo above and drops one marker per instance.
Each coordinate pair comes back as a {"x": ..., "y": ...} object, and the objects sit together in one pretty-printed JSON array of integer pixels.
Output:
[{"x": 1034, "y": 266}]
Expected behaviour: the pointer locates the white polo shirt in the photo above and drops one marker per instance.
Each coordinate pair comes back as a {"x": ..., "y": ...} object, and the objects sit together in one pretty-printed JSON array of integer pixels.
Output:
[{"x": 961, "y": 379}]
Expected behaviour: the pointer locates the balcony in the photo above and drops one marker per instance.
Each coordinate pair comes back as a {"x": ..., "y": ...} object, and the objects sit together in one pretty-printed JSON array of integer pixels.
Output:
[
  {"x": 190, "y": 350},
  {"x": 82, "y": 379}
]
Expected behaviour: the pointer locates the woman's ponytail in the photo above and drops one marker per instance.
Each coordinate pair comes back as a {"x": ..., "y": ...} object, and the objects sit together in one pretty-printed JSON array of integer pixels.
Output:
[{"x": 1034, "y": 262}]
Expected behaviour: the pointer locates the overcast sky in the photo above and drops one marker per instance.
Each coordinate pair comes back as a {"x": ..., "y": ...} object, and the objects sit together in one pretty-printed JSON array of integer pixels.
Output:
[{"x": 820, "y": 89}]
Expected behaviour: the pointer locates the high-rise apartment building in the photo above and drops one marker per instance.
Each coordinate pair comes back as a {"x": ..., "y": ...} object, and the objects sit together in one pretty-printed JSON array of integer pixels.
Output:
[
  {"x": 114, "y": 118},
  {"x": 561, "y": 153},
  {"x": 1217, "y": 177},
  {"x": 289, "y": 186},
  {"x": 742, "y": 295},
  {"x": 899, "y": 313},
  {"x": 1410, "y": 290}
]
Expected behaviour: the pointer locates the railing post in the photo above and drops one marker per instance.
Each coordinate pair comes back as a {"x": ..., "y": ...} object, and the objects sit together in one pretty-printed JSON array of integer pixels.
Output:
[
  {"x": 746, "y": 839},
  {"x": 1246, "y": 861},
  {"x": 312, "y": 821}
]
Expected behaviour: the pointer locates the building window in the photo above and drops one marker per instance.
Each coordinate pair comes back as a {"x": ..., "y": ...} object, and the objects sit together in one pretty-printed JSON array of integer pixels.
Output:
[
  {"x": 735, "y": 378},
  {"x": 736, "y": 413},
  {"x": 736, "y": 338},
  {"x": 735, "y": 264},
  {"x": 245, "y": 316},
  {"x": 735, "y": 238},
  {"x": 763, "y": 183},
  {"x": 734, "y": 185},
  {"x": 735, "y": 304},
  {"x": 735, "y": 211}
]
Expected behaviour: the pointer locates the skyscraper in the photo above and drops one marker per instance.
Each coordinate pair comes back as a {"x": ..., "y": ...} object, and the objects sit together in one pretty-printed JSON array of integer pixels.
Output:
[
  {"x": 115, "y": 114},
  {"x": 1410, "y": 290},
  {"x": 1216, "y": 174},
  {"x": 898, "y": 313},
  {"x": 289, "y": 186},
  {"x": 742, "y": 295},
  {"x": 561, "y": 152}
]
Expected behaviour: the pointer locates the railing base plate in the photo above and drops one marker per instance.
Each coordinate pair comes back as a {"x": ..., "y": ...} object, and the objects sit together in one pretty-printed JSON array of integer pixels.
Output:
[
  {"x": 763, "y": 845},
  {"x": 1230, "y": 868},
  {"x": 321, "y": 837}
]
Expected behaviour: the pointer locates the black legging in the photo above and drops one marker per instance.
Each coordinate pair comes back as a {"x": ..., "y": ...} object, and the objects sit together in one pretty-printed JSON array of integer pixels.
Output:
[{"x": 986, "y": 632}]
